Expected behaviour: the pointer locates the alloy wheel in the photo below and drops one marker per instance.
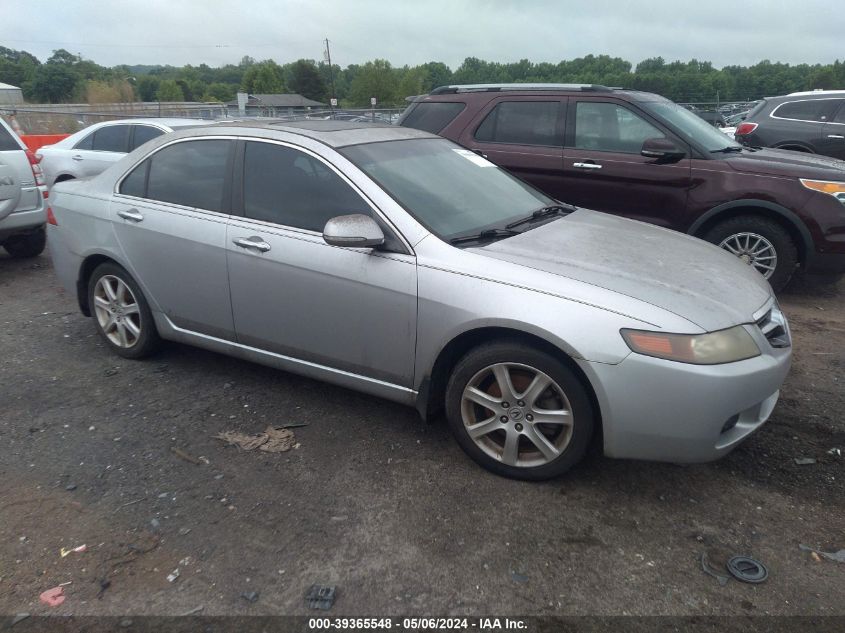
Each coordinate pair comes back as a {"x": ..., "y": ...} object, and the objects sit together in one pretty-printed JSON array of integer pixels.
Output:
[
  {"x": 517, "y": 414},
  {"x": 117, "y": 311},
  {"x": 754, "y": 249}
]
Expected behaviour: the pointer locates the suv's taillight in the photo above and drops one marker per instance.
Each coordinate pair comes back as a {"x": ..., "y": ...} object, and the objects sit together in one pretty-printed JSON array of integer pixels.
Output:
[
  {"x": 37, "y": 172},
  {"x": 745, "y": 128}
]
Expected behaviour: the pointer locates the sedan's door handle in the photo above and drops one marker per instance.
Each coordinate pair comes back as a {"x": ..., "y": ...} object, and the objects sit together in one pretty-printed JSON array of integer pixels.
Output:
[
  {"x": 586, "y": 166},
  {"x": 252, "y": 242},
  {"x": 76, "y": 157},
  {"x": 835, "y": 136},
  {"x": 131, "y": 214}
]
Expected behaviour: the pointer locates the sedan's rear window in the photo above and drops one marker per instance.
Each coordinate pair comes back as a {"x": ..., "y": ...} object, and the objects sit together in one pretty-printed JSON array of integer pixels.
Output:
[{"x": 433, "y": 116}]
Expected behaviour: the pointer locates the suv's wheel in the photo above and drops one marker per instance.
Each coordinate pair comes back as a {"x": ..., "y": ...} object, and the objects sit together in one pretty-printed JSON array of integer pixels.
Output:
[
  {"x": 760, "y": 243},
  {"x": 27, "y": 245},
  {"x": 518, "y": 411},
  {"x": 121, "y": 313}
]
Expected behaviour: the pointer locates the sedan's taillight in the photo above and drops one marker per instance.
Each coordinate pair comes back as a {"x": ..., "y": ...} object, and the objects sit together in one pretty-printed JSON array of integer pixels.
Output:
[
  {"x": 37, "y": 172},
  {"x": 51, "y": 217},
  {"x": 744, "y": 129}
]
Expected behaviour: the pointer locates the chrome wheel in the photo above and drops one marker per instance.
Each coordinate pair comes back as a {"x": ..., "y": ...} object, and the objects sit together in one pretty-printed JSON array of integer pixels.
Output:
[
  {"x": 117, "y": 311},
  {"x": 517, "y": 415},
  {"x": 754, "y": 249}
]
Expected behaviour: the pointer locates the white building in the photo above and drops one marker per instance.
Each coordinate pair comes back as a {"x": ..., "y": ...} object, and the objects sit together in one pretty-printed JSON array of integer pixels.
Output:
[{"x": 10, "y": 95}]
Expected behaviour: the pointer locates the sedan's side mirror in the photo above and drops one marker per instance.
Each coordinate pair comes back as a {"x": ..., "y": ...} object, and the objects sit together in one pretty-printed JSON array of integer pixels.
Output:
[
  {"x": 664, "y": 150},
  {"x": 356, "y": 230}
]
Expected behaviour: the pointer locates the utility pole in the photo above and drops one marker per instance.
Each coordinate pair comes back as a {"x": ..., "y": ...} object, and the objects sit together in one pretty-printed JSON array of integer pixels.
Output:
[{"x": 331, "y": 76}]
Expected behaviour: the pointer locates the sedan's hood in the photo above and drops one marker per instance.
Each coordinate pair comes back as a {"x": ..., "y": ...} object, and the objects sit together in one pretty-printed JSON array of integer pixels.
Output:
[
  {"x": 783, "y": 162},
  {"x": 673, "y": 271}
]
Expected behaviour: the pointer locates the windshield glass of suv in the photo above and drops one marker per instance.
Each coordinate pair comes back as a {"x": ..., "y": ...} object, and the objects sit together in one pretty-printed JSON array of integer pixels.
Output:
[
  {"x": 450, "y": 190},
  {"x": 693, "y": 128}
]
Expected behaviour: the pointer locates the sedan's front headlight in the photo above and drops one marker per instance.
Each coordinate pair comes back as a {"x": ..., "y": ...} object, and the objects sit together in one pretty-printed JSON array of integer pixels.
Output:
[
  {"x": 833, "y": 188},
  {"x": 712, "y": 348}
]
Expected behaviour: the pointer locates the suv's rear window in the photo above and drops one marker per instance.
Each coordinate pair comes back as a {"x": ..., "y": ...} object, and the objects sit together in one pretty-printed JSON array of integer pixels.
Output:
[
  {"x": 432, "y": 117},
  {"x": 806, "y": 110},
  {"x": 7, "y": 142}
]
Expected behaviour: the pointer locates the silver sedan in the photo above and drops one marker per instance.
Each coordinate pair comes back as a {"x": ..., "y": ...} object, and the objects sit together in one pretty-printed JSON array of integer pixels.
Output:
[{"x": 396, "y": 263}]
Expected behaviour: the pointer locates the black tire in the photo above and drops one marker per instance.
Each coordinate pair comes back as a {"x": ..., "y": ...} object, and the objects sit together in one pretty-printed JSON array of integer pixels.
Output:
[
  {"x": 27, "y": 245},
  {"x": 148, "y": 340},
  {"x": 572, "y": 448},
  {"x": 774, "y": 233}
]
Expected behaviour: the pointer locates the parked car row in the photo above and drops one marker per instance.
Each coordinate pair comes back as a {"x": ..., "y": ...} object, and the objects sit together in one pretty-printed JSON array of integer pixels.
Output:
[
  {"x": 347, "y": 251},
  {"x": 642, "y": 156}
]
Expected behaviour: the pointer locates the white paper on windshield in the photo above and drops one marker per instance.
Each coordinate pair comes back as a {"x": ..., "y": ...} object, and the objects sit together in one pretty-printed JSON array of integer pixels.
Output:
[{"x": 474, "y": 158}]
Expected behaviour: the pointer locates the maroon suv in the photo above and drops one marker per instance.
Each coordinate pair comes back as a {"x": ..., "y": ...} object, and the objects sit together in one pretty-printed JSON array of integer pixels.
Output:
[{"x": 639, "y": 155}]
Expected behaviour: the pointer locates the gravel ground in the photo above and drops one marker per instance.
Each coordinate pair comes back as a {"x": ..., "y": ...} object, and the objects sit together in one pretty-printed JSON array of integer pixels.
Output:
[{"x": 375, "y": 501}]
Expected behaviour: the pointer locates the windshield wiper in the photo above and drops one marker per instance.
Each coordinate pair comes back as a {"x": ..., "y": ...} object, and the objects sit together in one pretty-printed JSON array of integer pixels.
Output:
[
  {"x": 727, "y": 150},
  {"x": 488, "y": 234},
  {"x": 542, "y": 212}
]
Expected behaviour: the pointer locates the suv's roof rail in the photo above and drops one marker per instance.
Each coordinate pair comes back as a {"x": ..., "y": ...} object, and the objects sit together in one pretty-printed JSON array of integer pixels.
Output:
[
  {"x": 503, "y": 87},
  {"x": 811, "y": 93}
]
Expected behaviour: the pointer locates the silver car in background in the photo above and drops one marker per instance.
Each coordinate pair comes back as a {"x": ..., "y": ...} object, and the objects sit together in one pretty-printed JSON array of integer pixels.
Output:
[
  {"x": 394, "y": 262},
  {"x": 93, "y": 149}
]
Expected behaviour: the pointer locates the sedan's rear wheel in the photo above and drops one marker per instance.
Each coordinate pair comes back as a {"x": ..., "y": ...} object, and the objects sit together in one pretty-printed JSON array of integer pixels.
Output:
[
  {"x": 518, "y": 411},
  {"x": 122, "y": 315}
]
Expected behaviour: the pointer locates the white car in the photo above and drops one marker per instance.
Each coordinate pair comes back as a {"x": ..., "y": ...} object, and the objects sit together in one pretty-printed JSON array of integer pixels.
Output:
[{"x": 90, "y": 151}]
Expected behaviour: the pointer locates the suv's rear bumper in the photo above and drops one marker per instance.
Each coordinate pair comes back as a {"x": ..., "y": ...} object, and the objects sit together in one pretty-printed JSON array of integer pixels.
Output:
[{"x": 22, "y": 221}]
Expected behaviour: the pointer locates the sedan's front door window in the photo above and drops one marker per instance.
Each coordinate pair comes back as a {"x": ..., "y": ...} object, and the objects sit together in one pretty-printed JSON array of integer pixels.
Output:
[
  {"x": 609, "y": 127},
  {"x": 286, "y": 186}
]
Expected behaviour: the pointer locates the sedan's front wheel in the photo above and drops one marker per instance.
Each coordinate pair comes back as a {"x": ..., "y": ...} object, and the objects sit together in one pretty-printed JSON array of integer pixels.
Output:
[
  {"x": 518, "y": 411},
  {"x": 121, "y": 313}
]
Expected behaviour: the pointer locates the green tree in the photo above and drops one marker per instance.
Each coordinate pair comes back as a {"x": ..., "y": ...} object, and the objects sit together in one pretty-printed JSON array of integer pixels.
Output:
[
  {"x": 305, "y": 79},
  {"x": 169, "y": 90},
  {"x": 53, "y": 83},
  {"x": 148, "y": 87},
  {"x": 374, "y": 79}
]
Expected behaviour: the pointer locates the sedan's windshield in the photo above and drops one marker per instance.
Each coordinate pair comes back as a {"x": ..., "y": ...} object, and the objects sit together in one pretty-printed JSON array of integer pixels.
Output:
[
  {"x": 694, "y": 129},
  {"x": 452, "y": 191}
]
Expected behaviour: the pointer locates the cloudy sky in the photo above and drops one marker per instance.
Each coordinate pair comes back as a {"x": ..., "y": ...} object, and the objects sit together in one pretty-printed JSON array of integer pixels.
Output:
[{"x": 181, "y": 32}]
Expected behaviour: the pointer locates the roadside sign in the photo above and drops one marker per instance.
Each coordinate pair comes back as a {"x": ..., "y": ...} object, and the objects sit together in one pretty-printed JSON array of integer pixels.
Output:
[
  {"x": 372, "y": 101},
  {"x": 333, "y": 101}
]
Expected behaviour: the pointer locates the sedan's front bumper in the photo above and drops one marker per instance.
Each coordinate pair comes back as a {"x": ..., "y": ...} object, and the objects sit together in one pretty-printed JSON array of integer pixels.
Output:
[{"x": 668, "y": 411}]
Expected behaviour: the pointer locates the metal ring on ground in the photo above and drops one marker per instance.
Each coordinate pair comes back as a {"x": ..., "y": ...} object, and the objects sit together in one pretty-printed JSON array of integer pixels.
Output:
[{"x": 747, "y": 569}]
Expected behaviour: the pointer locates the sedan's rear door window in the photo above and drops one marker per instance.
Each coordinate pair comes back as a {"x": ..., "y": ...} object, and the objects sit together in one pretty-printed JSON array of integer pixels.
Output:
[
  {"x": 190, "y": 173},
  {"x": 523, "y": 123},
  {"x": 289, "y": 187},
  {"x": 142, "y": 134},
  {"x": 111, "y": 138}
]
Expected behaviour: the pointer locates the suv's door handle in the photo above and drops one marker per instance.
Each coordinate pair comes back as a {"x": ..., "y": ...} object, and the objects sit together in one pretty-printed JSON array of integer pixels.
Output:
[
  {"x": 835, "y": 136},
  {"x": 480, "y": 153},
  {"x": 252, "y": 242},
  {"x": 76, "y": 157},
  {"x": 131, "y": 214},
  {"x": 586, "y": 166}
]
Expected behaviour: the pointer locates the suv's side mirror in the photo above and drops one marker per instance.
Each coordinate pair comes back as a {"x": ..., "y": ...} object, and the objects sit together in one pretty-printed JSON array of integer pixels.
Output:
[
  {"x": 356, "y": 230},
  {"x": 664, "y": 150}
]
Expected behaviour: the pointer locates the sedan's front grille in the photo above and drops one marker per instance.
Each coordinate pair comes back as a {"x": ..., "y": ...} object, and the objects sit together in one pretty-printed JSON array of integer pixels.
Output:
[{"x": 773, "y": 326}]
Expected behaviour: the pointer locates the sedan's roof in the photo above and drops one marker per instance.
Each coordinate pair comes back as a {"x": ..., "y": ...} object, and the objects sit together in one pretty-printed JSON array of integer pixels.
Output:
[{"x": 334, "y": 133}]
